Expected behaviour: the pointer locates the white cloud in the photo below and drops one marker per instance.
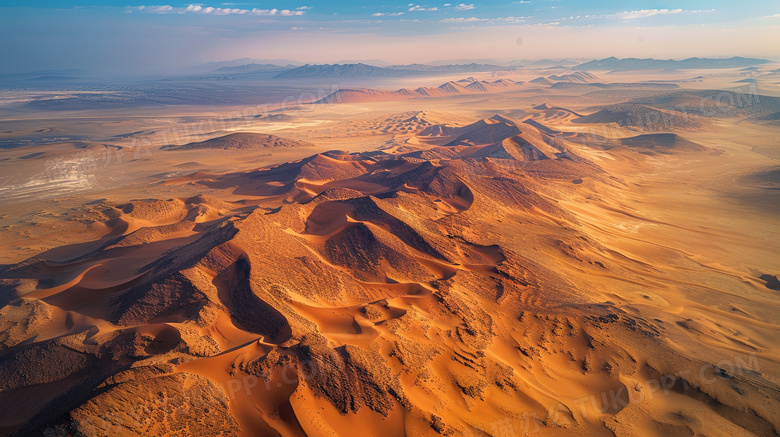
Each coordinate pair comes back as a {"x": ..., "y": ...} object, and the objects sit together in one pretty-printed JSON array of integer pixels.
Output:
[
  {"x": 642, "y": 13},
  {"x": 156, "y": 9},
  {"x": 414, "y": 8},
  {"x": 208, "y": 10},
  {"x": 463, "y": 20},
  {"x": 487, "y": 21},
  {"x": 464, "y": 7}
]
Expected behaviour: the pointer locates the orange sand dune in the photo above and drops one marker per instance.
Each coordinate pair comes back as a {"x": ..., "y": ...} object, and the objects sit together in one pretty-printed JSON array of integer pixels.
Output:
[{"x": 512, "y": 274}]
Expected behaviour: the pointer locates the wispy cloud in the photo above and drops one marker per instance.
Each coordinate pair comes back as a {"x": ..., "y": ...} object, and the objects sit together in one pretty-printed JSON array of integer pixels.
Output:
[
  {"x": 156, "y": 9},
  {"x": 414, "y": 8},
  {"x": 630, "y": 16},
  {"x": 388, "y": 14},
  {"x": 464, "y": 20},
  {"x": 642, "y": 13},
  {"x": 464, "y": 7},
  {"x": 208, "y": 10},
  {"x": 498, "y": 20}
]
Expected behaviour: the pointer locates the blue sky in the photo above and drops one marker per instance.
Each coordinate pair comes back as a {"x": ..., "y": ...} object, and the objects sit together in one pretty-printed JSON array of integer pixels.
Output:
[{"x": 145, "y": 36}]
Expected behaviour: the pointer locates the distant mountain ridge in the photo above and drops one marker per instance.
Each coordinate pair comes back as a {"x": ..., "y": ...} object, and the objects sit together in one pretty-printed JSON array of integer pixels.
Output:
[
  {"x": 250, "y": 68},
  {"x": 453, "y": 68},
  {"x": 216, "y": 65},
  {"x": 341, "y": 70},
  {"x": 625, "y": 64},
  {"x": 365, "y": 70},
  {"x": 293, "y": 69}
]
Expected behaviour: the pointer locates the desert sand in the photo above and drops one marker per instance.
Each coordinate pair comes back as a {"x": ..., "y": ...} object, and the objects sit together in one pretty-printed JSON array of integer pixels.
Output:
[{"x": 540, "y": 253}]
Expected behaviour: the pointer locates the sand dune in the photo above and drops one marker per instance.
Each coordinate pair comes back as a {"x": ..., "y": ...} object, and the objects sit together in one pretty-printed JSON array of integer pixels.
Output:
[
  {"x": 504, "y": 82},
  {"x": 482, "y": 86},
  {"x": 484, "y": 274},
  {"x": 494, "y": 130},
  {"x": 573, "y": 81},
  {"x": 662, "y": 143},
  {"x": 241, "y": 141},
  {"x": 465, "y": 86},
  {"x": 445, "y": 89},
  {"x": 451, "y": 88},
  {"x": 644, "y": 117},
  {"x": 578, "y": 77},
  {"x": 541, "y": 81}
]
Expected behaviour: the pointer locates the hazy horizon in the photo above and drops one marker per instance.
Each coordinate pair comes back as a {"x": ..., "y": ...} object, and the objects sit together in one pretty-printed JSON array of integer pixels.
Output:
[{"x": 143, "y": 38}]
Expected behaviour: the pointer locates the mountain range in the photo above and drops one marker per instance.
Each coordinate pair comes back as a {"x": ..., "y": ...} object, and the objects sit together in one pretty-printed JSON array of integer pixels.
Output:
[{"x": 625, "y": 64}]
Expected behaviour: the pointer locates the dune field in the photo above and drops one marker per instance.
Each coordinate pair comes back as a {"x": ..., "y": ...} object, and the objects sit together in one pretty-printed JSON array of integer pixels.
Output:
[{"x": 549, "y": 252}]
